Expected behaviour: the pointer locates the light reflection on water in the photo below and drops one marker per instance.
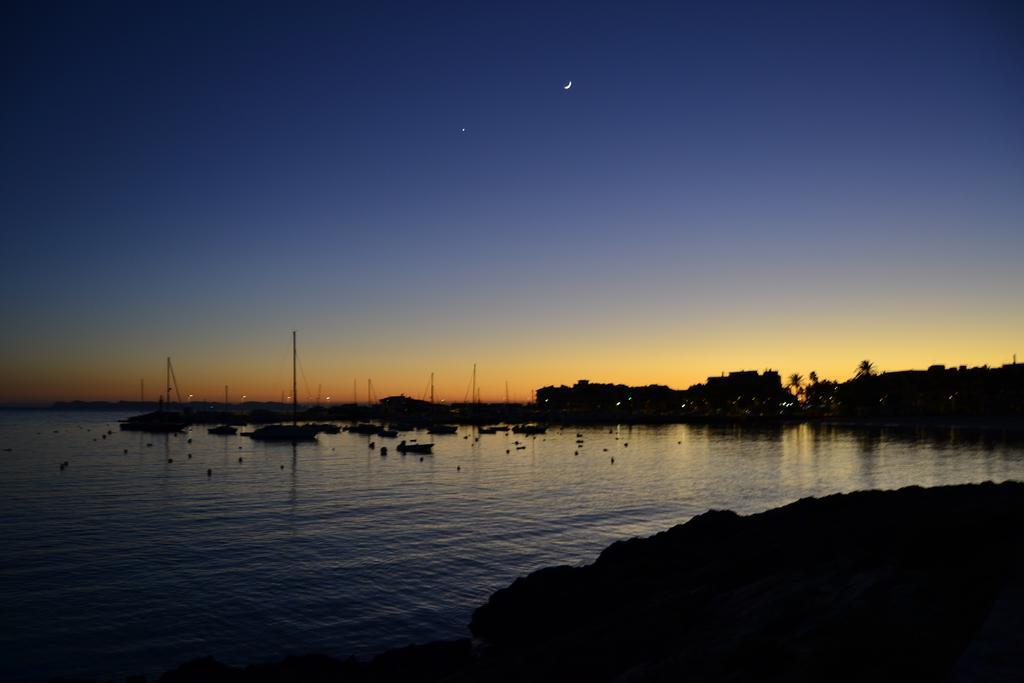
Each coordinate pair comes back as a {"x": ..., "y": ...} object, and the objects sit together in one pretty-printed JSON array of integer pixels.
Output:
[{"x": 126, "y": 563}]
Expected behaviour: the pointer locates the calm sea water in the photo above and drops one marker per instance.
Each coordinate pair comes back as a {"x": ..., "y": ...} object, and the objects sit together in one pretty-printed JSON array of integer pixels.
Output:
[{"x": 126, "y": 563}]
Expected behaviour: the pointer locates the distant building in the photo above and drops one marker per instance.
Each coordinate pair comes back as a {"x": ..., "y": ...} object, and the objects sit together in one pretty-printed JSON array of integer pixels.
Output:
[
  {"x": 750, "y": 382},
  {"x": 937, "y": 391},
  {"x": 742, "y": 392},
  {"x": 588, "y": 396}
]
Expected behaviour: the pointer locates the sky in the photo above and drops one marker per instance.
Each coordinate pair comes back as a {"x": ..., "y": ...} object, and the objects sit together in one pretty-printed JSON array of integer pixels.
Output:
[{"x": 725, "y": 186}]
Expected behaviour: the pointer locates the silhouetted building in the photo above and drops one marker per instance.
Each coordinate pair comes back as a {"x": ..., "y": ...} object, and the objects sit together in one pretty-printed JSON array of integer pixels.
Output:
[
  {"x": 936, "y": 391},
  {"x": 743, "y": 392},
  {"x": 588, "y": 396}
]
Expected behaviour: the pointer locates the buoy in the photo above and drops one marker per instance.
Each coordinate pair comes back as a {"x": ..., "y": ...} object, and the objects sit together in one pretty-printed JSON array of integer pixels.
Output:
[
  {"x": 282, "y": 467},
  {"x": 149, "y": 445},
  {"x": 575, "y": 452},
  {"x": 613, "y": 461},
  {"x": 170, "y": 460},
  {"x": 458, "y": 468},
  {"x": 507, "y": 450},
  {"x": 625, "y": 445},
  {"x": 239, "y": 460},
  {"x": 190, "y": 439},
  {"x": 421, "y": 458},
  {"x": 126, "y": 451},
  {"x": 209, "y": 472},
  {"x": 189, "y": 456}
]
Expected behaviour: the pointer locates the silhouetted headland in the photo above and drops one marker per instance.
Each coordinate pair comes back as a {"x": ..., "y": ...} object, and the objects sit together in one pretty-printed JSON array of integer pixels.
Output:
[{"x": 914, "y": 584}]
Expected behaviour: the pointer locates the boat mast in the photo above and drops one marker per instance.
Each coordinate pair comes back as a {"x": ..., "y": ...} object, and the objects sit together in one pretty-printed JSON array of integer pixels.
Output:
[
  {"x": 474, "y": 384},
  {"x": 168, "y": 401},
  {"x": 431, "y": 387},
  {"x": 295, "y": 397},
  {"x": 225, "y": 398}
]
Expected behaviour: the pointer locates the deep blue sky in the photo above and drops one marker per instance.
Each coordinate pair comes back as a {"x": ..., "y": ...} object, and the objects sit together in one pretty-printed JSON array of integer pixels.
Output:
[{"x": 725, "y": 185}]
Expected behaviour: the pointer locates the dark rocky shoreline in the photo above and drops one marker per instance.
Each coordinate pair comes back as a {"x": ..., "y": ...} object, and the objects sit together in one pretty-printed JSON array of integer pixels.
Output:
[{"x": 914, "y": 584}]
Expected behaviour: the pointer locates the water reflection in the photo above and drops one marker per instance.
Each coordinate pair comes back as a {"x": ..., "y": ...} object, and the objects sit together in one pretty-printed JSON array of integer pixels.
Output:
[{"x": 343, "y": 551}]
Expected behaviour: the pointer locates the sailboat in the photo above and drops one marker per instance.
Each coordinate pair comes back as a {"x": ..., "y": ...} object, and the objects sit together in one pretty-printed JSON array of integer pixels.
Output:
[
  {"x": 159, "y": 421},
  {"x": 293, "y": 432},
  {"x": 224, "y": 429}
]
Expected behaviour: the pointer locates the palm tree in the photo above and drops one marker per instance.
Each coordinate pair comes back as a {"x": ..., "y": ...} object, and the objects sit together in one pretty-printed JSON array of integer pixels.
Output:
[
  {"x": 865, "y": 369},
  {"x": 813, "y": 377},
  {"x": 795, "y": 380}
]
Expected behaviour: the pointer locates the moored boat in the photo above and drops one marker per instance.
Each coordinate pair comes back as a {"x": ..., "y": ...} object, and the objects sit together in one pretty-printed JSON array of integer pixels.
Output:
[
  {"x": 493, "y": 430},
  {"x": 159, "y": 422},
  {"x": 404, "y": 447},
  {"x": 286, "y": 433},
  {"x": 443, "y": 429},
  {"x": 529, "y": 429},
  {"x": 293, "y": 432},
  {"x": 223, "y": 430}
]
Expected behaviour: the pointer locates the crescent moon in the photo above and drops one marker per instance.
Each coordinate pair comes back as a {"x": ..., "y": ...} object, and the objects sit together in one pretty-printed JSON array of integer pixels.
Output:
[{"x": 567, "y": 85}]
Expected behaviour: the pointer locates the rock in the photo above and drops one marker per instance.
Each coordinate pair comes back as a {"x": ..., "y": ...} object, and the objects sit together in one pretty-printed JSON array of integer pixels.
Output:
[
  {"x": 202, "y": 671},
  {"x": 801, "y": 592}
]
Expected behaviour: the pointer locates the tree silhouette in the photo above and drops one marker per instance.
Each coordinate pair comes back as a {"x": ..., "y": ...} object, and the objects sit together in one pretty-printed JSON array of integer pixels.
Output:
[
  {"x": 813, "y": 377},
  {"x": 865, "y": 369},
  {"x": 795, "y": 382}
]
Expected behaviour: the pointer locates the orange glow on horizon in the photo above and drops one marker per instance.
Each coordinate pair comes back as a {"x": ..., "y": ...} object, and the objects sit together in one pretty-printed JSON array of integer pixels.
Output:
[{"x": 112, "y": 377}]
